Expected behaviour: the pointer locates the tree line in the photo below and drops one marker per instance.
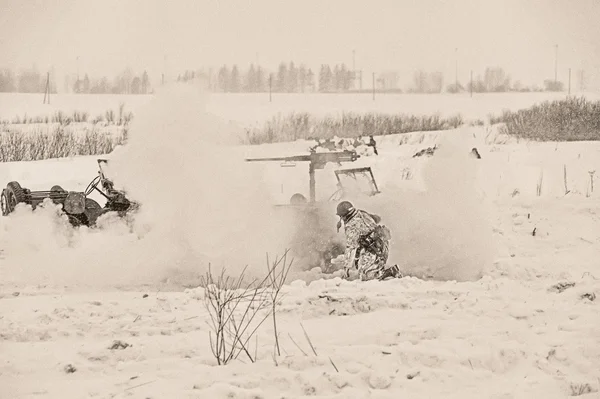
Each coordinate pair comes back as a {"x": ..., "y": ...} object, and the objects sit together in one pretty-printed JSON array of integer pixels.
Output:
[
  {"x": 493, "y": 80},
  {"x": 126, "y": 82},
  {"x": 289, "y": 77},
  {"x": 31, "y": 80},
  {"x": 28, "y": 80}
]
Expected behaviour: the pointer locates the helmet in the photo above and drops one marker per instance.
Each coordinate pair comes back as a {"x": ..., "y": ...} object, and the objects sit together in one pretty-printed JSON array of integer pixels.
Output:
[{"x": 344, "y": 208}]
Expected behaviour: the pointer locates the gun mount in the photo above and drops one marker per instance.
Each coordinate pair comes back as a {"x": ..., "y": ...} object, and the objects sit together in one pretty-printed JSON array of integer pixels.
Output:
[{"x": 317, "y": 160}]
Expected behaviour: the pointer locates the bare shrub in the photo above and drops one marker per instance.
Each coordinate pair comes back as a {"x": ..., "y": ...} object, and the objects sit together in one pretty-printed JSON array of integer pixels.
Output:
[
  {"x": 59, "y": 143},
  {"x": 109, "y": 116},
  {"x": 61, "y": 118},
  {"x": 79, "y": 116},
  {"x": 581, "y": 389},
  {"x": 238, "y": 308},
  {"x": 571, "y": 119},
  {"x": 225, "y": 298},
  {"x": 303, "y": 126},
  {"x": 502, "y": 118},
  {"x": 124, "y": 117},
  {"x": 277, "y": 277},
  {"x": 538, "y": 188}
]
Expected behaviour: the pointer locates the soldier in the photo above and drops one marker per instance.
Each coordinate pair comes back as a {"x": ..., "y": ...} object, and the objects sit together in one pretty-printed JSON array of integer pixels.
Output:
[
  {"x": 367, "y": 243},
  {"x": 373, "y": 143}
]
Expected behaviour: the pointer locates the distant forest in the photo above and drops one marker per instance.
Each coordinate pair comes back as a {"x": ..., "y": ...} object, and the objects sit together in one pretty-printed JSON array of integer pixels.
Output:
[
  {"x": 289, "y": 77},
  {"x": 32, "y": 81}
]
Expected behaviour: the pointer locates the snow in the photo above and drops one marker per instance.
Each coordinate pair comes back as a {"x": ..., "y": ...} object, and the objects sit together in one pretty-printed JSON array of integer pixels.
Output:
[
  {"x": 251, "y": 108},
  {"x": 488, "y": 324}
]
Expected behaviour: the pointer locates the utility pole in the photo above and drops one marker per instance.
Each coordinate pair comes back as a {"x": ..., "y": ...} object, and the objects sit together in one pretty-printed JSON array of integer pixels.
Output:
[
  {"x": 471, "y": 85},
  {"x": 354, "y": 66},
  {"x": 569, "y": 81},
  {"x": 47, "y": 91},
  {"x": 456, "y": 68},
  {"x": 270, "y": 86},
  {"x": 165, "y": 69},
  {"x": 373, "y": 86},
  {"x": 555, "y": 64}
]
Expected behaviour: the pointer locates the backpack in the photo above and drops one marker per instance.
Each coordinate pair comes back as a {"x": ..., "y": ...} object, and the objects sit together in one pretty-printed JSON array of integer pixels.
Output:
[{"x": 375, "y": 241}]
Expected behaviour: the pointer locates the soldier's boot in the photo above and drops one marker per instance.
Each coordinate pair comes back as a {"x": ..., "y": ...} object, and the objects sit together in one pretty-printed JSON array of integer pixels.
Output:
[{"x": 390, "y": 272}]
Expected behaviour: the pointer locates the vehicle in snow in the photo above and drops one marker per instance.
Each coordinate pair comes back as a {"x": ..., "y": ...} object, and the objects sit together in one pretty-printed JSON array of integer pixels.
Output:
[
  {"x": 80, "y": 209},
  {"x": 315, "y": 240}
]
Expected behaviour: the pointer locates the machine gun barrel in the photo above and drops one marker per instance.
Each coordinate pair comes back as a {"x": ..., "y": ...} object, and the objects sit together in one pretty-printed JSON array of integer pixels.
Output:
[
  {"x": 297, "y": 158},
  {"x": 315, "y": 157}
]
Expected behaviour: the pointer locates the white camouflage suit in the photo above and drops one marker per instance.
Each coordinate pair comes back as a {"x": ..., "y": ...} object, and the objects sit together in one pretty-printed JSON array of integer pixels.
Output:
[{"x": 369, "y": 265}]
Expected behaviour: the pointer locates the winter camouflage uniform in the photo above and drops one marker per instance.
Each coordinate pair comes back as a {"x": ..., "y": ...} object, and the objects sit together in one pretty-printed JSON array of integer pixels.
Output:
[{"x": 369, "y": 265}]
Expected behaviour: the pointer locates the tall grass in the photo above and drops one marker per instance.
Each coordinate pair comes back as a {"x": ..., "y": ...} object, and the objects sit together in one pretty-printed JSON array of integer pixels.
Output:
[
  {"x": 299, "y": 126},
  {"x": 571, "y": 119},
  {"x": 58, "y": 143},
  {"x": 109, "y": 117}
]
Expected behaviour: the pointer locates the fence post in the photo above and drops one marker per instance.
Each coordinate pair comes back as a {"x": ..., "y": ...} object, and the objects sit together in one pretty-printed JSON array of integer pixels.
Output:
[
  {"x": 373, "y": 86},
  {"x": 47, "y": 90},
  {"x": 471, "y": 88}
]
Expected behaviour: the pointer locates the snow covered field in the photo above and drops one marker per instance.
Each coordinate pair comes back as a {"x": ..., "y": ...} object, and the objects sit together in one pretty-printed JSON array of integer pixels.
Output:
[
  {"x": 247, "y": 109},
  {"x": 66, "y": 296}
]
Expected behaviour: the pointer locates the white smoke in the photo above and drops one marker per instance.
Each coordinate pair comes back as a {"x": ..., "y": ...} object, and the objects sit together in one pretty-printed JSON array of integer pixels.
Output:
[
  {"x": 198, "y": 193},
  {"x": 200, "y": 204},
  {"x": 443, "y": 232}
]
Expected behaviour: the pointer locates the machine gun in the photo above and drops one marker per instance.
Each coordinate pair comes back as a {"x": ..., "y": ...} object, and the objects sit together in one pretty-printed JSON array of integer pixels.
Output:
[{"x": 317, "y": 160}]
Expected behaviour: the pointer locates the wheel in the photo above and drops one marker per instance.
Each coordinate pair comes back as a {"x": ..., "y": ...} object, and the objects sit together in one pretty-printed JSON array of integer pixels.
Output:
[
  {"x": 92, "y": 212},
  {"x": 93, "y": 185},
  {"x": 91, "y": 204},
  {"x": 11, "y": 196},
  {"x": 4, "y": 203},
  {"x": 57, "y": 190},
  {"x": 75, "y": 220}
]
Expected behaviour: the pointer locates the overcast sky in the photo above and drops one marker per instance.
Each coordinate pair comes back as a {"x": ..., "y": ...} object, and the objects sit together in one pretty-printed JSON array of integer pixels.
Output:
[{"x": 402, "y": 35}]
